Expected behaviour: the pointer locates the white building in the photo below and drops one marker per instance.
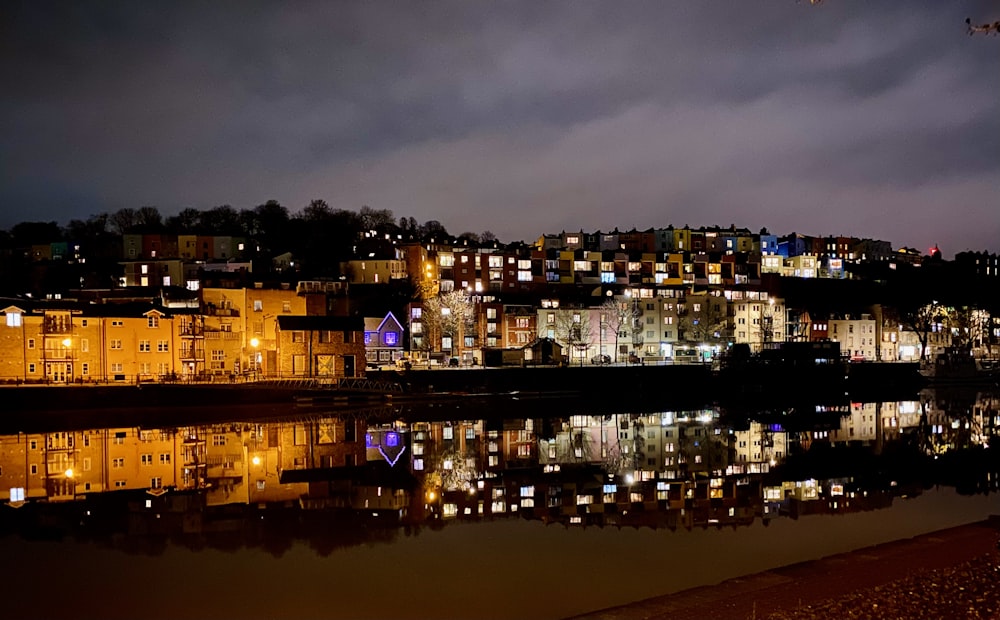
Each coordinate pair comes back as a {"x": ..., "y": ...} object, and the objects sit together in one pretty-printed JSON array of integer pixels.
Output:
[
  {"x": 757, "y": 318},
  {"x": 857, "y": 337}
]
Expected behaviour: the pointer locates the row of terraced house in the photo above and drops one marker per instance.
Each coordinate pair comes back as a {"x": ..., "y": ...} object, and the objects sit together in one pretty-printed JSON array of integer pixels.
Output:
[
  {"x": 221, "y": 334},
  {"x": 663, "y": 295}
]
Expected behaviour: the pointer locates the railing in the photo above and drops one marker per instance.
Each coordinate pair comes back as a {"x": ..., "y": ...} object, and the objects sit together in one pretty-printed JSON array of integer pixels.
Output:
[
  {"x": 220, "y": 335},
  {"x": 56, "y": 327},
  {"x": 192, "y": 354},
  {"x": 213, "y": 311},
  {"x": 368, "y": 385},
  {"x": 58, "y": 355}
]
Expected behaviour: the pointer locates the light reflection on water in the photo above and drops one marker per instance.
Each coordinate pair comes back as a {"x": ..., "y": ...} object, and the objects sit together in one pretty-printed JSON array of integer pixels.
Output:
[{"x": 376, "y": 516}]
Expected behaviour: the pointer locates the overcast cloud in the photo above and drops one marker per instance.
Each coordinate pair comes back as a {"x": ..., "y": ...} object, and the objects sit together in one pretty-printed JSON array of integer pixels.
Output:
[{"x": 873, "y": 119}]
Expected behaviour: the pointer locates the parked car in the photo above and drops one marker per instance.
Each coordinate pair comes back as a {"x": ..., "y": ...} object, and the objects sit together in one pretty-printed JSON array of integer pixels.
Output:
[{"x": 601, "y": 360}]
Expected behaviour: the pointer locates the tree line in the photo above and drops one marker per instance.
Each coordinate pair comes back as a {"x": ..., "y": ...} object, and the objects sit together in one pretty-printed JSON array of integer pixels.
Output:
[{"x": 270, "y": 222}]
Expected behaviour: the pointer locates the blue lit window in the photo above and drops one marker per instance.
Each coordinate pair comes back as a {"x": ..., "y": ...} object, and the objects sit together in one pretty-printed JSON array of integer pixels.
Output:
[
  {"x": 368, "y": 440},
  {"x": 392, "y": 440},
  {"x": 391, "y": 338},
  {"x": 368, "y": 337}
]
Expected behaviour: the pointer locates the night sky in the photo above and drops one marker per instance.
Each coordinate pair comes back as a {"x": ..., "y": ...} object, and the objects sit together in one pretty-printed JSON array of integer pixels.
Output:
[{"x": 872, "y": 119}]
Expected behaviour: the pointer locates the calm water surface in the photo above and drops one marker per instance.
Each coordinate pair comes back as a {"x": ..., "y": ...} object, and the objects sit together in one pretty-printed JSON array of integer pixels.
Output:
[{"x": 399, "y": 514}]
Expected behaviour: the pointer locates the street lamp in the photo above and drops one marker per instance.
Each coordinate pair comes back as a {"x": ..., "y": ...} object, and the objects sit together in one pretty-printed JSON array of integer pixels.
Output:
[{"x": 255, "y": 359}]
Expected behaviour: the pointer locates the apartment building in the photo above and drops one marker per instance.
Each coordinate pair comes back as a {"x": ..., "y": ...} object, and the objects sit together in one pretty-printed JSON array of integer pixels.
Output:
[{"x": 857, "y": 337}]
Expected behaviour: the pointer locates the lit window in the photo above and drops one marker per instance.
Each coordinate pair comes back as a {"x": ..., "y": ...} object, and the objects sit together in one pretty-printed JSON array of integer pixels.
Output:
[{"x": 13, "y": 319}]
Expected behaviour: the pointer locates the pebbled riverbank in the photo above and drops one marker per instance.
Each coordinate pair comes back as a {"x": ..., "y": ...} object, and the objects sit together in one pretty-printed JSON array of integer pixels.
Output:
[{"x": 952, "y": 573}]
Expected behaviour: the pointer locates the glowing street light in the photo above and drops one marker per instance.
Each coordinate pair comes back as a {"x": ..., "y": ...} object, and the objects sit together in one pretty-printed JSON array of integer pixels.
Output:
[
  {"x": 255, "y": 356},
  {"x": 67, "y": 342},
  {"x": 70, "y": 473}
]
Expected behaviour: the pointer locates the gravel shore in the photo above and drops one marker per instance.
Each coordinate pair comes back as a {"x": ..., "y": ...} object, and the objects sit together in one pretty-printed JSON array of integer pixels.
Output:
[
  {"x": 954, "y": 573},
  {"x": 969, "y": 590}
]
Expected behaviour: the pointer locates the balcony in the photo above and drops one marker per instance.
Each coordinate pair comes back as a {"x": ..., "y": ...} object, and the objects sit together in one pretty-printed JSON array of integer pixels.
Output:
[
  {"x": 55, "y": 326},
  {"x": 216, "y": 311},
  {"x": 221, "y": 335},
  {"x": 192, "y": 331},
  {"x": 318, "y": 286},
  {"x": 58, "y": 354},
  {"x": 188, "y": 354}
]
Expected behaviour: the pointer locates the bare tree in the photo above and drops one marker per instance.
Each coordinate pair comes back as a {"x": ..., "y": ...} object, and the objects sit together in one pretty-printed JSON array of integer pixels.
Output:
[
  {"x": 921, "y": 320},
  {"x": 93, "y": 229},
  {"x": 450, "y": 315},
  {"x": 972, "y": 327},
  {"x": 618, "y": 316},
  {"x": 433, "y": 228},
  {"x": 316, "y": 212},
  {"x": 187, "y": 221},
  {"x": 149, "y": 218},
  {"x": 572, "y": 330},
  {"x": 377, "y": 219},
  {"x": 706, "y": 321},
  {"x": 123, "y": 220},
  {"x": 222, "y": 220}
]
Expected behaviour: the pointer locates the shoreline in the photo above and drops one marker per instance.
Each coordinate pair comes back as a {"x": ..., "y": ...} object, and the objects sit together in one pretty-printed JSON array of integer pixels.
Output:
[{"x": 809, "y": 589}]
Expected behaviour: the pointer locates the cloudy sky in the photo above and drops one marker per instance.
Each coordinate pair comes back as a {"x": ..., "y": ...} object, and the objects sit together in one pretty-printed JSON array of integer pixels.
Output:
[{"x": 875, "y": 119}]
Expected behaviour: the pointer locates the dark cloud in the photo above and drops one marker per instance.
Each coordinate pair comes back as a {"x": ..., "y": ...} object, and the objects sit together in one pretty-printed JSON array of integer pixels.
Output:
[{"x": 872, "y": 119}]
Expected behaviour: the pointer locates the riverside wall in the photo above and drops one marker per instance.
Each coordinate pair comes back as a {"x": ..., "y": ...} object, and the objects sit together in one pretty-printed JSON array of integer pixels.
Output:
[{"x": 678, "y": 386}]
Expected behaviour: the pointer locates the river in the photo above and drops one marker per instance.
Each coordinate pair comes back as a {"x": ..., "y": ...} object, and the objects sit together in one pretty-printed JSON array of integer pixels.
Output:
[{"x": 404, "y": 513}]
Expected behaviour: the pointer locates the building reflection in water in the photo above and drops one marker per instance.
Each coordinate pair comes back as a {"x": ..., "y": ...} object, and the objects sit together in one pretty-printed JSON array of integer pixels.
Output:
[{"x": 351, "y": 479}]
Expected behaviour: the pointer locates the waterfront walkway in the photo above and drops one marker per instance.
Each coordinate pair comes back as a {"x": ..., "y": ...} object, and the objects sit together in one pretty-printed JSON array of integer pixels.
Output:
[{"x": 942, "y": 566}]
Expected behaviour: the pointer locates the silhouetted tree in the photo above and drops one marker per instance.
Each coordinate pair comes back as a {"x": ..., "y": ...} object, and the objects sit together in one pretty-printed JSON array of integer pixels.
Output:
[
  {"x": 124, "y": 220},
  {"x": 271, "y": 226},
  {"x": 381, "y": 220},
  {"x": 187, "y": 221},
  {"x": 26, "y": 234},
  {"x": 433, "y": 228},
  {"x": 316, "y": 212},
  {"x": 95, "y": 228},
  {"x": 221, "y": 220},
  {"x": 149, "y": 219}
]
